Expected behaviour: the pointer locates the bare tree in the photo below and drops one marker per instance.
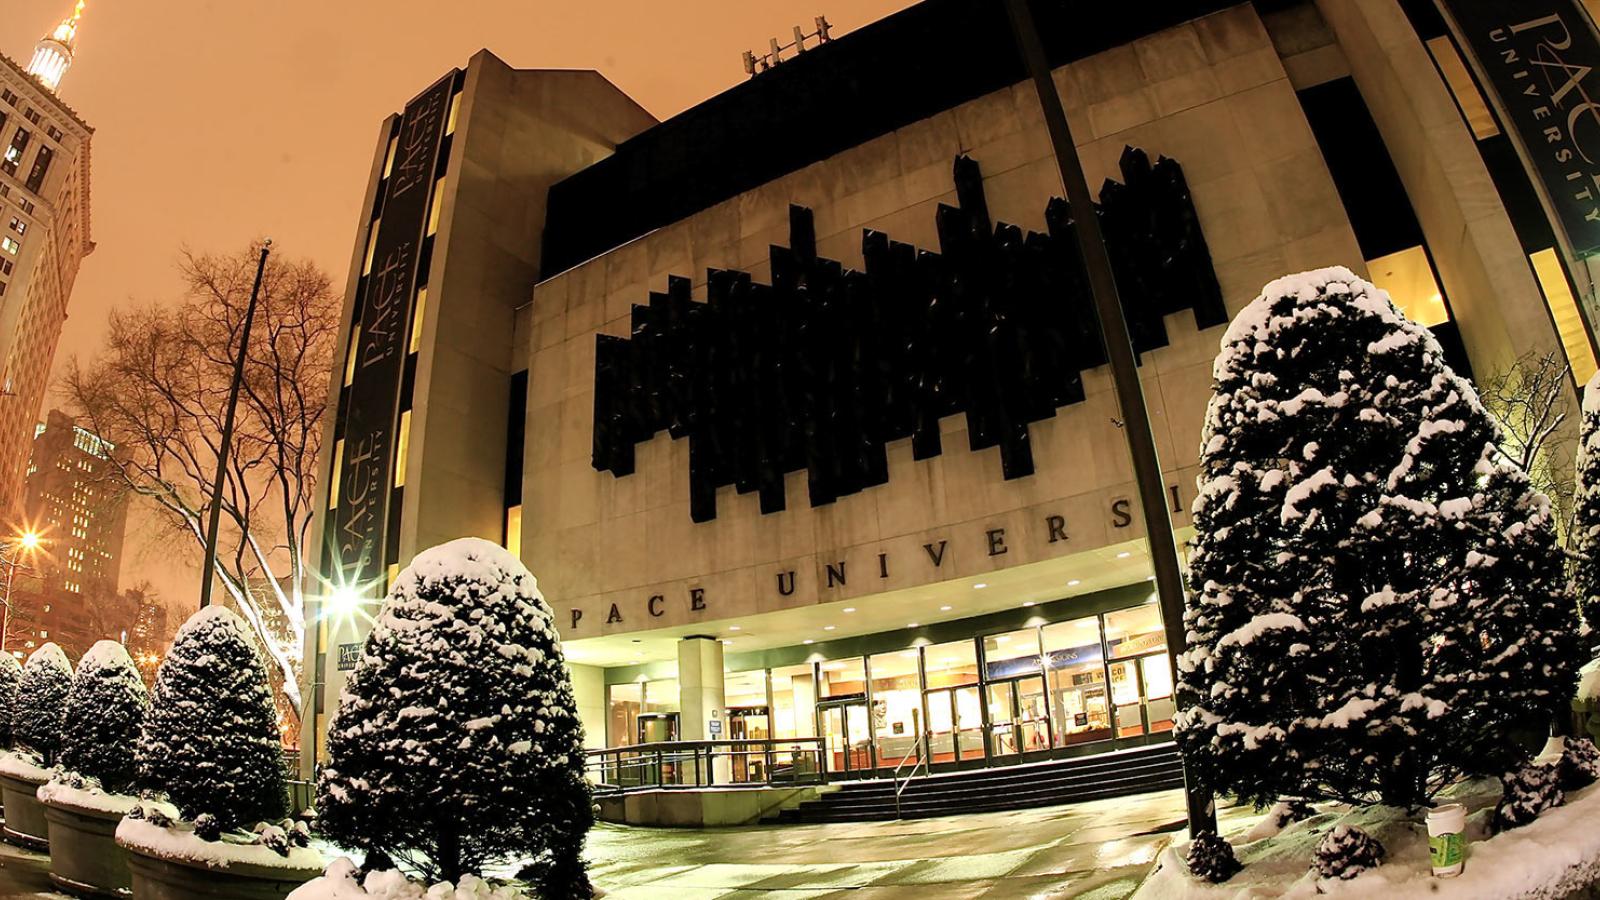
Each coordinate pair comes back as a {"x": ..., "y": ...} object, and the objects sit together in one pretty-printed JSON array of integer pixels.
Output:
[
  {"x": 157, "y": 389},
  {"x": 1532, "y": 401}
]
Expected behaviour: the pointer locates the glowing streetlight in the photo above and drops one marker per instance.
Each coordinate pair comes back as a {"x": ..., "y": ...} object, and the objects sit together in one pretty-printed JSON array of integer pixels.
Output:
[{"x": 28, "y": 540}]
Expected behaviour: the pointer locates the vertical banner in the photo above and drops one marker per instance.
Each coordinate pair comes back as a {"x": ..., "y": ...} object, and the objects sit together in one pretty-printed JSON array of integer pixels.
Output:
[
  {"x": 1539, "y": 58},
  {"x": 370, "y": 423}
]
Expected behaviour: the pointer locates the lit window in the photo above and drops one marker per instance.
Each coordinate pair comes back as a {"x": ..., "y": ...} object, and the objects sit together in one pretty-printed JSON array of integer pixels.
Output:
[
  {"x": 438, "y": 204},
  {"x": 1408, "y": 278},
  {"x": 10, "y": 244},
  {"x": 1564, "y": 313},
  {"x": 372, "y": 246},
  {"x": 350, "y": 354},
  {"x": 392, "y": 573},
  {"x": 455, "y": 110},
  {"x": 1465, "y": 90},
  {"x": 338, "y": 467},
  {"x": 43, "y": 633},
  {"x": 514, "y": 529},
  {"x": 19, "y": 226},
  {"x": 388, "y": 157},
  {"x": 400, "y": 452},
  {"x": 416, "y": 318}
]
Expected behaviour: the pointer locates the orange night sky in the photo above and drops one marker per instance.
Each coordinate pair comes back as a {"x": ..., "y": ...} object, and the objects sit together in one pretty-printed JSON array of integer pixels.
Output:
[{"x": 219, "y": 121}]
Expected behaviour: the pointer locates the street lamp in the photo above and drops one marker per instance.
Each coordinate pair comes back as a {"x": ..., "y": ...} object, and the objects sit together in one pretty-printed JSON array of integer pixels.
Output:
[{"x": 11, "y": 556}]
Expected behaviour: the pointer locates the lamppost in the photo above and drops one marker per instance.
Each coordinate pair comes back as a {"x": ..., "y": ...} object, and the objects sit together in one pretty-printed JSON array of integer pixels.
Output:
[
  {"x": 209, "y": 572},
  {"x": 1124, "y": 370},
  {"x": 11, "y": 557}
]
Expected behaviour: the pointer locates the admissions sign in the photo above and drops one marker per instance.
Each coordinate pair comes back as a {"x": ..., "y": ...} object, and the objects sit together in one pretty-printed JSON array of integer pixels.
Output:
[
  {"x": 1540, "y": 59},
  {"x": 361, "y": 518}
]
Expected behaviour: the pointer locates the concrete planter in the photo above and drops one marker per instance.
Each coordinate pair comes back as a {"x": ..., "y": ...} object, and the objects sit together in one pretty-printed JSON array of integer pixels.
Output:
[
  {"x": 85, "y": 859},
  {"x": 157, "y": 877},
  {"x": 25, "y": 825}
]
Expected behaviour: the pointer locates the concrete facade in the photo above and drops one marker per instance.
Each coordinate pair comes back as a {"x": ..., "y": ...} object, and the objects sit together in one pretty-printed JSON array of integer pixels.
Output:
[{"x": 641, "y": 592}]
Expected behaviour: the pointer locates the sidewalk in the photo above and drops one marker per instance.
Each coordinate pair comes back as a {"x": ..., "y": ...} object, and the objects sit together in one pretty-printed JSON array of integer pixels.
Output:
[
  {"x": 1099, "y": 850},
  {"x": 23, "y": 875}
]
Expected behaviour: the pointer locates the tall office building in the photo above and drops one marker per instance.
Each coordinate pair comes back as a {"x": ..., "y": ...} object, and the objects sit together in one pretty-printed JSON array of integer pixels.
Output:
[
  {"x": 44, "y": 236},
  {"x": 72, "y": 597}
]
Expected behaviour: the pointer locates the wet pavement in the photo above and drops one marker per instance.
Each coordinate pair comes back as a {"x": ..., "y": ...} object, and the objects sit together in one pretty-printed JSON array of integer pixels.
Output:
[{"x": 1100, "y": 850}]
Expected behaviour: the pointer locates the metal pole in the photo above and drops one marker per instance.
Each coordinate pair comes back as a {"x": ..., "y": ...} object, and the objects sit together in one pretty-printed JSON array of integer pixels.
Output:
[
  {"x": 208, "y": 573},
  {"x": 1124, "y": 371},
  {"x": 5, "y": 614}
]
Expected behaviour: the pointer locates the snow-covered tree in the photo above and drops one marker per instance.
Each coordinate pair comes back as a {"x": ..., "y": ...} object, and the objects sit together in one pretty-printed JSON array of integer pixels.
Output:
[
  {"x": 41, "y": 704},
  {"x": 105, "y": 714},
  {"x": 1586, "y": 517},
  {"x": 457, "y": 741},
  {"x": 211, "y": 737},
  {"x": 10, "y": 678},
  {"x": 1378, "y": 597}
]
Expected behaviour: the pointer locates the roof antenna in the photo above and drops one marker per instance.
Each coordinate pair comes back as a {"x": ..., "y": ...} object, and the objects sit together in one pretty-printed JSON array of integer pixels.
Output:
[{"x": 754, "y": 65}]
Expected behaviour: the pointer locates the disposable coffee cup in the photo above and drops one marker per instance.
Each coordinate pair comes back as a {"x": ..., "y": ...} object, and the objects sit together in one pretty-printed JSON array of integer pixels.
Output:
[{"x": 1447, "y": 839}]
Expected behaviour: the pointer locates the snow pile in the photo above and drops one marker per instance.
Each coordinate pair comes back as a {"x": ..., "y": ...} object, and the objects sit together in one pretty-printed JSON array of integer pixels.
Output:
[
  {"x": 180, "y": 843},
  {"x": 23, "y": 767},
  {"x": 1553, "y": 857},
  {"x": 86, "y": 795},
  {"x": 343, "y": 882},
  {"x": 461, "y": 702}
]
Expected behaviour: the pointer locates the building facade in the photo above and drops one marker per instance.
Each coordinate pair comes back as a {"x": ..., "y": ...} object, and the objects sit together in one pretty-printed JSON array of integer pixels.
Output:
[
  {"x": 81, "y": 515},
  {"x": 795, "y": 403},
  {"x": 44, "y": 208}
]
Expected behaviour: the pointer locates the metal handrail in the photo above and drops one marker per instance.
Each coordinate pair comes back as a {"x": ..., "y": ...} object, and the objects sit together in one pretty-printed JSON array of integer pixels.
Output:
[
  {"x": 690, "y": 764},
  {"x": 922, "y": 760}
]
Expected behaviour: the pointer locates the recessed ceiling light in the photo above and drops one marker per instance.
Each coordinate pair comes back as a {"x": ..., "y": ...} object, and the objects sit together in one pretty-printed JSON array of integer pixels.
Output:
[
  {"x": 980, "y": 585},
  {"x": 1074, "y": 583},
  {"x": 849, "y": 609},
  {"x": 808, "y": 641},
  {"x": 944, "y": 609},
  {"x": 1002, "y": 639},
  {"x": 1149, "y": 578},
  {"x": 726, "y": 641},
  {"x": 827, "y": 628},
  {"x": 1027, "y": 603},
  {"x": 911, "y": 624},
  {"x": 1124, "y": 554},
  {"x": 734, "y": 627}
]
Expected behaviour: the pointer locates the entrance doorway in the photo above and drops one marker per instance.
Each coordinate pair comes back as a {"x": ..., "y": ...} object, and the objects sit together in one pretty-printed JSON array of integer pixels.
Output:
[
  {"x": 749, "y": 723},
  {"x": 1018, "y": 721},
  {"x": 847, "y": 737},
  {"x": 955, "y": 727}
]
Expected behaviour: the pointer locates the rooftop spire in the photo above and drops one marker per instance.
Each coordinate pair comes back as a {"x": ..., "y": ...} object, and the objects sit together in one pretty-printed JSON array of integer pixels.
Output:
[{"x": 52, "y": 56}]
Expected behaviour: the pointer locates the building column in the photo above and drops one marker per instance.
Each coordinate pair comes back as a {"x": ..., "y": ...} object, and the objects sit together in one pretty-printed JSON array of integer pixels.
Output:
[{"x": 702, "y": 696}]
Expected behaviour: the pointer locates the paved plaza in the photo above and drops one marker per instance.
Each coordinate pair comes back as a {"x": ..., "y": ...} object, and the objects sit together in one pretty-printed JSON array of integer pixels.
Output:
[{"x": 1099, "y": 850}]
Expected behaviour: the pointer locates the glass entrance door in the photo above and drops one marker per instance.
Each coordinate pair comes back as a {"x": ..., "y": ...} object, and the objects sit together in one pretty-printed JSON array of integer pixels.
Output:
[
  {"x": 1018, "y": 723},
  {"x": 955, "y": 726},
  {"x": 846, "y": 736},
  {"x": 1126, "y": 697},
  {"x": 749, "y": 723}
]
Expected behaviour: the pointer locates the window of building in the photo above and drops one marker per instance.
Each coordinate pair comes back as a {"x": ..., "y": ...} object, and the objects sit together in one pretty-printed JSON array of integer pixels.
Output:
[
  {"x": 9, "y": 96},
  {"x": 514, "y": 529},
  {"x": 416, "y": 318},
  {"x": 843, "y": 678},
  {"x": 372, "y": 246},
  {"x": 455, "y": 111},
  {"x": 896, "y": 705},
  {"x": 436, "y": 206},
  {"x": 10, "y": 245},
  {"x": 55, "y": 133},
  {"x": 3, "y": 293},
  {"x": 794, "y": 702},
  {"x": 25, "y": 203},
  {"x": 624, "y": 702},
  {"x": 1462, "y": 86},
  {"x": 6, "y": 266},
  {"x": 388, "y": 156},
  {"x": 1564, "y": 313},
  {"x": 19, "y": 226},
  {"x": 13, "y": 154},
  {"x": 338, "y": 470},
  {"x": 401, "y": 449},
  {"x": 41, "y": 167},
  {"x": 350, "y": 354},
  {"x": 32, "y": 115},
  {"x": 1076, "y": 670}
]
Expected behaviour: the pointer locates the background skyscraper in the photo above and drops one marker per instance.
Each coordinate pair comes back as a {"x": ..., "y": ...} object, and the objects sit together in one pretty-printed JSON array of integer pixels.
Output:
[{"x": 44, "y": 236}]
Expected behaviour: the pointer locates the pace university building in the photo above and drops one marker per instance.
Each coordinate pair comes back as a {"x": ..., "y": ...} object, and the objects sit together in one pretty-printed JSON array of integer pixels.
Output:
[{"x": 795, "y": 402}]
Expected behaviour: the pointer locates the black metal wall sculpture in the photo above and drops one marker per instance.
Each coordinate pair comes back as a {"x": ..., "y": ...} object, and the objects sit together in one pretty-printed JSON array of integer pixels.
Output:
[{"x": 824, "y": 366}]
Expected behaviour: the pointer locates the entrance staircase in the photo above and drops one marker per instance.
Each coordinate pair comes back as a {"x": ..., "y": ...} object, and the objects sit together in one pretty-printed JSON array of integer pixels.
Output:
[{"x": 1074, "y": 780}]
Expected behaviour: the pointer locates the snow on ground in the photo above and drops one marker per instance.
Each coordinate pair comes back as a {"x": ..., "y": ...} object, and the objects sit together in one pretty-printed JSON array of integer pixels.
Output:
[
  {"x": 22, "y": 767},
  {"x": 1589, "y": 676},
  {"x": 180, "y": 843},
  {"x": 341, "y": 883},
  {"x": 1553, "y": 857}
]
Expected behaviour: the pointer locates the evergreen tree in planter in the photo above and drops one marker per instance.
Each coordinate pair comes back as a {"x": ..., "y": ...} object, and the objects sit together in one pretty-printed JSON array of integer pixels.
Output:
[
  {"x": 42, "y": 703},
  {"x": 457, "y": 741},
  {"x": 1586, "y": 517},
  {"x": 211, "y": 737},
  {"x": 105, "y": 715},
  {"x": 1378, "y": 597},
  {"x": 10, "y": 679}
]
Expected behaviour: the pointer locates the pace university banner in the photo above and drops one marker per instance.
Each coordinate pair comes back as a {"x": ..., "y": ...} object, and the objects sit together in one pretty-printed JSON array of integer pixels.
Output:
[
  {"x": 362, "y": 515},
  {"x": 1540, "y": 59}
]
